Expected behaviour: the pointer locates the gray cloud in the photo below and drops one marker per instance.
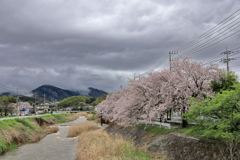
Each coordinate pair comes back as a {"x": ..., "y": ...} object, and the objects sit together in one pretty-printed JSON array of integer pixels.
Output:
[{"x": 78, "y": 44}]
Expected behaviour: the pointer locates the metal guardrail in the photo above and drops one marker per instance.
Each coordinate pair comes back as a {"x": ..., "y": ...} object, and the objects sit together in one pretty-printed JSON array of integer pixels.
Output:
[{"x": 157, "y": 123}]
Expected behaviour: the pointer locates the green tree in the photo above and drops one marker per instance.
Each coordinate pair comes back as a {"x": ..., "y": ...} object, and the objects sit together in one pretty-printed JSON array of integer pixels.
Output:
[
  {"x": 30, "y": 102},
  {"x": 217, "y": 116},
  {"x": 5, "y": 101},
  {"x": 73, "y": 101},
  {"x": 92, "y": 99},
  {"x": 227, "y": 80},
  {"x": 99, "y": 100}
]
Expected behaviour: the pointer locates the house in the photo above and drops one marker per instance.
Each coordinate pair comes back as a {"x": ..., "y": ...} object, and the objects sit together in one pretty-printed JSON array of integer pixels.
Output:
[
  {"x": 24, "y": 108},
  {"x": 44, "y": 107},
  {"x": 22, "y": 105}
]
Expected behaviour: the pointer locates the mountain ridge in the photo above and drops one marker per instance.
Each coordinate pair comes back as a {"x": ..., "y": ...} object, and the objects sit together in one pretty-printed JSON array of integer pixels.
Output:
[{"x": 55, "y": 93}]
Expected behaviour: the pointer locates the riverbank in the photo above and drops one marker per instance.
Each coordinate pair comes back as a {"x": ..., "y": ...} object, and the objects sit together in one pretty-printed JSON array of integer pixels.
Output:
[
  {"x": 16, "y": 132},
  {"x": 174, "y": 145},
  {"x": 95, "y": 143}
]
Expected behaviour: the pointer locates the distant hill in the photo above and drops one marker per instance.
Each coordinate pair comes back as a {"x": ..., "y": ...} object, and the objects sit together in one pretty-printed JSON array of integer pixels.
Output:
[
  {"x": 96, "y": 92},
  {"x": 55, "y": 93}
]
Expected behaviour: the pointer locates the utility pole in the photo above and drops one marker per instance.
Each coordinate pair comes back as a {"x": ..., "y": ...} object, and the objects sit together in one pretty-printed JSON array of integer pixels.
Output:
[
  {"x": 44, "y": 100},
  {"x": 170, "y": 58},
  {"x": 170, "y": 61},
  {"x": 35, "y": 98},
  {"x": 227, "y": 59},
  {"x": 121, "y": 87},
  {"x": 17, "y": 100},
  {"x": 35, "y": 102}
]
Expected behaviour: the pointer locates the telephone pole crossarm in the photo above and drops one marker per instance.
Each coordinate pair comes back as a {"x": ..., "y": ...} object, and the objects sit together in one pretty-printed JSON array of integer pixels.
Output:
[{"x": 227, "y": 60}]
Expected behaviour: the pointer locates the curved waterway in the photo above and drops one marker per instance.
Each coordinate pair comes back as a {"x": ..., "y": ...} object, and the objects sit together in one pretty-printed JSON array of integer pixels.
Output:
[{"x": 54, "y": 146}]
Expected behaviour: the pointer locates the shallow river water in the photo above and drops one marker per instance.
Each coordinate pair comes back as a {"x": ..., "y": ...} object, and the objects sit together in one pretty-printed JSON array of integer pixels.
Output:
[{"x": 52, "y": 147}]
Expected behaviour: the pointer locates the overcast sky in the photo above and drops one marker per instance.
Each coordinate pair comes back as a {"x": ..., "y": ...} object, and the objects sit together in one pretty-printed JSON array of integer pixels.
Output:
[{"x": 75, "y": 44}]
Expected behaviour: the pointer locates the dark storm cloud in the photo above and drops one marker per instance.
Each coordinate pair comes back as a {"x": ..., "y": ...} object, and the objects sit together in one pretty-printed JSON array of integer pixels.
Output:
[{"x": 78, "y": 44}]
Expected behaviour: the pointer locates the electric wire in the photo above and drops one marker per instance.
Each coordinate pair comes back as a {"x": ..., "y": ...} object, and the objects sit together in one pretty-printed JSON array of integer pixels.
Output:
[
  {"x": 209, "y": 31},
  {"x": 6, "y": 86},
  {"x": 210, "y": 35},
  {"x": 199, "y": 48},
  {"x": 213, "y": 59},
  {"x": 205, "y": 44},
  {"x": 235, "y": 49},
  {"x": 152, "y": 69},
  {"x": 211, "y": 44},
  {"x": 235, "y": 65}
]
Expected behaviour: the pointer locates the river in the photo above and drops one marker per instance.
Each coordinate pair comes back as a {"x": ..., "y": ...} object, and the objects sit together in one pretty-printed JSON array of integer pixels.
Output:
[{"x": 54, "y": 146}]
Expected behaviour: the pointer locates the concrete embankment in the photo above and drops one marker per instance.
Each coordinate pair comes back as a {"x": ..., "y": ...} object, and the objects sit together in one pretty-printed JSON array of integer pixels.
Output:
[{"x": 175, "y": 146}]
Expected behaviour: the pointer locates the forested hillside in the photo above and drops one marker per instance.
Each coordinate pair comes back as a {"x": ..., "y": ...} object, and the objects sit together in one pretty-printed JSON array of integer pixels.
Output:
[{"x": 77, "y": 101}]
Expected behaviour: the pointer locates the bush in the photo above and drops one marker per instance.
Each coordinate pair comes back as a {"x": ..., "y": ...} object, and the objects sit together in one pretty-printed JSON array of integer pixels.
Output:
[
  {"x": 218, "y": 115},
  {"x": 77, "y": 129}
]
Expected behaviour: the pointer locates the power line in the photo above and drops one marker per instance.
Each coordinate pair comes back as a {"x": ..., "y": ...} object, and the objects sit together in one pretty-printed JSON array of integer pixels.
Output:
[
  {"x": 207, "y": 33},
  {"x": 237, "y": 57},
  {"x": 216, "y": 61},
  {"x": 235, "y": 49},
  {"x": 6, "y": 86},
  {"x": 210, "y": 42},
  {"x": 152, "y": 69},
  {"x": 196, "y": 49},
  {"x": 235, "y": 53},
  {"x": 213, "y": 59},
  {"x": 216, "y": 36},
  {"x": 213, "y": 39},
  {"x": 235, "y": 65},
  {"x": 12, "y": 90},
  {"x": 6, "y": 89}
]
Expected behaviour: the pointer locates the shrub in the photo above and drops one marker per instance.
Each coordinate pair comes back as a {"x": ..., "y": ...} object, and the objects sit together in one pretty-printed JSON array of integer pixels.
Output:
[{"x": 77, "y": 129}]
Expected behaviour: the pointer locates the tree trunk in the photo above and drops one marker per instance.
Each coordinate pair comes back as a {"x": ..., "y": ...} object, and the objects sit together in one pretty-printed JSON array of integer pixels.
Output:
[
  {"x": 5, "y": 112},
  {"x": 184, "y": 122}
]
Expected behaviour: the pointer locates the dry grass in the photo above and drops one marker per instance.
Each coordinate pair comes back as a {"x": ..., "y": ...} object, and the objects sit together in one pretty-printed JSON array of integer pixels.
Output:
[
  {"x": 77, "y": 129},
  {"x": 52, "y": 129},
  {"x": 93, "y": 117},
  {"x": 97, "y": 120},
  {"x": 76, "y": 116},
  {"x": 99, "y": 144},
  {"x": 82, "y": 114},
  {"x": 89, "y": 116},
  {"x": 20, "y": 136}
]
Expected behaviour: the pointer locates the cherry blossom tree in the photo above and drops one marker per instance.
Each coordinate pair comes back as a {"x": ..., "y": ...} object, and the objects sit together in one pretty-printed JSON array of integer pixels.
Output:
[
  {"x": 152, "y": 96},
  {"x": 190, "y": 79}
]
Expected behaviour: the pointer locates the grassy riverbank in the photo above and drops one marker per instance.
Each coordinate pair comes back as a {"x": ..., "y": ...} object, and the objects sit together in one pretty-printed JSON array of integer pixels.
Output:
[
  {"x": 156, "y": 130},
  {"x": 95, "y": 143},
  {"x": 15, "y": 132}
]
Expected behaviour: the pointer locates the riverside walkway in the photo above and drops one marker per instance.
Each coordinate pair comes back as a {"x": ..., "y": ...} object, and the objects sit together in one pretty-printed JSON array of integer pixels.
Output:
[{"x": 56, "y": 146}]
